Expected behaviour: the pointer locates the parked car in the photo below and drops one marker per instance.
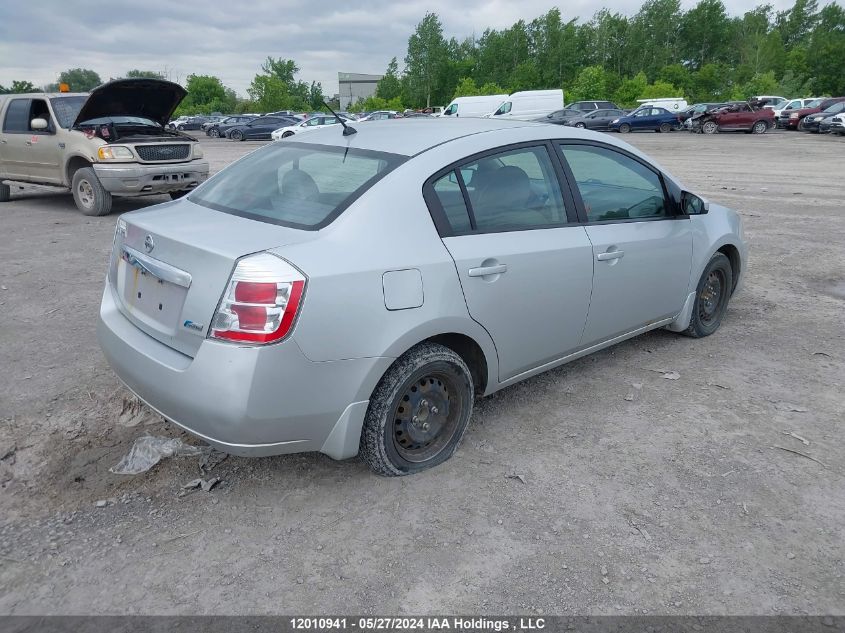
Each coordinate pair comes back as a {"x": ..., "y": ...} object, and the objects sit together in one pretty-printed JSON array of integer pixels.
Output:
[
  {"x": 589, "y": 106},
  {"x": 259, "y": 128},
  {"x": 559, "y": 117},
  {"x": 646, "y": 118},
  {"x": 837, "y": 124},
  {"x": 737, "y": 116},
  {"x": 773, "y": 102},
  {"x": 792, "y": 105},
  {"x": 698, "y": 108},
  {"x": 188, "y": 123},
  {"x": 212, "y": 120},
  {"x": 595, "y": 119},
  {"x": 305, "y": 126},
  {"x": 216, "y": 130},
  {"x": 529, "y": 105},
  {"x": 812, "y": 122},
  {"x": 232, "y": 314},
  {"x": 473, "y": 106},
  {"x": 793, "y": 119},
  {"x": 381, "y": 115},
  {"x": 671, "y": 104},
  {"x": 111, "y": 142}
]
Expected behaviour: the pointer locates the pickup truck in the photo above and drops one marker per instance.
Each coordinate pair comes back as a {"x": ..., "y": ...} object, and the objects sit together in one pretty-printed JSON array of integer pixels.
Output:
[
  {"x": 794, "y": 119},
  {"x": 112, "y": 141}
]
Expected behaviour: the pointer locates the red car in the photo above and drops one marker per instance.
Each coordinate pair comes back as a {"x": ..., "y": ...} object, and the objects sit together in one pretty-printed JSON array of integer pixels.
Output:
[
  {"x": 791, "y": 119},
  {"x": 737, "y": 116}
]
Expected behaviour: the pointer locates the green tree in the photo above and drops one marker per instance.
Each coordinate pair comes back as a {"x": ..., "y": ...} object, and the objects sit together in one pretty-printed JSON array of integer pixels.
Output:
[
  {"x": 80, "y": 79},
  {"x": 796, "y": 24},
  {"x": 466, "y": 88},
  {"x": 143, "y": 74},
  {"x": 389, "y": 86},
  {"x": 704, "y": 33},
  {"x": 826, "y": 52},
  {"x": 22, "y": 87},
  {"x": 661, "y": 89},
  {"x": 524, "y": 77},
  {"x": 591, "y": 83},
  {"x": 283, "y": 69},
  {"x": 630, "y": 90},
  {"x": 424, "y": 62}
]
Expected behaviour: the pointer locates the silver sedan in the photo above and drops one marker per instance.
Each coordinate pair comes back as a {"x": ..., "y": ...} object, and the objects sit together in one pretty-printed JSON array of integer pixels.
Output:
[{"x": 353, "y": 293}]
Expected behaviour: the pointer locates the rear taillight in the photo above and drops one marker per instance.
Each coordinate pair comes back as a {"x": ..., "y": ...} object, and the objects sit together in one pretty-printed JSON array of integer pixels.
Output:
[{"x": 260, "y": 302}]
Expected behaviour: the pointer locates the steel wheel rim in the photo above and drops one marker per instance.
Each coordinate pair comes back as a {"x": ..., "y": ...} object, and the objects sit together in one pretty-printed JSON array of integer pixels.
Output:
[
  {"x": 86, "y": 193},
  {"x": 712, "y": 296},
  {"x": 426, "y": 417}
]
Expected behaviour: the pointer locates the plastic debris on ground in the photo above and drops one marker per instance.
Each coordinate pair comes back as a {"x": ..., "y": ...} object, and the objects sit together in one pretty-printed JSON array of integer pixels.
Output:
[{"x": 147, "y": 451}]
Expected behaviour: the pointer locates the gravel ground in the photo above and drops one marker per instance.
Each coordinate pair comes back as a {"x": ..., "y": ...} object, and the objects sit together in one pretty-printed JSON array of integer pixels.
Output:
[{"x": 675, "y": 502}]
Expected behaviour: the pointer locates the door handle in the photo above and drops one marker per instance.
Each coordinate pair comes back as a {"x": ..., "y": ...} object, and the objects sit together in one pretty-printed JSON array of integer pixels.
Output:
[
  {"x": 483, "y": 271},
  {"x": 609, "y": 255}
]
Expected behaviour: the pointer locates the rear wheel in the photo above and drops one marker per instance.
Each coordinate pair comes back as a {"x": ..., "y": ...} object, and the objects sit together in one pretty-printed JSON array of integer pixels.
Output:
[
  {"x": 711, "y": 297},
  {"x": 236, "y": 135},
  {"x": 213, "y": 133},
  {"x": 181, "y": 128},
  {"x": 89, "y": 194},
  {"x": 759, "y": 127},
  {"x": 710, "y": 127},
  {"x": 665, "y": 127},
  {"x": 624, "y": 128},
  {"x": 580, "y": 125},
  {"x": 418, "y": 412},
  {"x": 5, "y": 192}
]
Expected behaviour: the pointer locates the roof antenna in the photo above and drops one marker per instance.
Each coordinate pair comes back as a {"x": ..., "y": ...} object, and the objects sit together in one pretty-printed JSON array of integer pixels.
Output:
[{"x": 348, "y": 130}]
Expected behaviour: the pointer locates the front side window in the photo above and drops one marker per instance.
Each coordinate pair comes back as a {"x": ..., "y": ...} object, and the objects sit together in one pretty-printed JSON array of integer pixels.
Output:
[
  {"x": 504, "y": 108},
  {"x": 509, "y": 191},
  {"x": 295, "y": 184},
  {"x": 451, "y": 109},
  {"x": 614, "y": 186},
  {"x": 17, "y": 116}
]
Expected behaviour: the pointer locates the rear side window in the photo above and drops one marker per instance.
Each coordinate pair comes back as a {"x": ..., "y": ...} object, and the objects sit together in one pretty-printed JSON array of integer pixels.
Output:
[
  {"x": 509, "y": 191},
  {"x": 295, "y": 184},
  {"x": 614, "y": 186},
  {"x": 17, "y": 116}
]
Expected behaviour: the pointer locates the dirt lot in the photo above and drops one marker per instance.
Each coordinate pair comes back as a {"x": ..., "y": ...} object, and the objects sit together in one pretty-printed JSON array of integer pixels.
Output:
[{"x": 673, "y": 503}]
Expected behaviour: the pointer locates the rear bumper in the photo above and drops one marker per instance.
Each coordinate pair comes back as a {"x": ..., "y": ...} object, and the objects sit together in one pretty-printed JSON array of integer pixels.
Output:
[
  {"x": 244, "y": 400},
  {"x": 130, "y": 179}
]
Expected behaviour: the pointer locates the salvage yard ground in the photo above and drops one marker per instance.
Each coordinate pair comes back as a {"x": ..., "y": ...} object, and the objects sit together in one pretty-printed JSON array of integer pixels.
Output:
[{"x": 668, "y": 498}]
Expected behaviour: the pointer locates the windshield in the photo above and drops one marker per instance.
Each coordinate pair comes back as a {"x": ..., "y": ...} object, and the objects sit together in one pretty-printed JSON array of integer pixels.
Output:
[
  {"x": 120, "y": 120},
  {"x": 815, "y": 103},
  {"x": 295, "y": 184},
  {"x": 67, "y": 109},
  {"x": 836, "y": 107}
]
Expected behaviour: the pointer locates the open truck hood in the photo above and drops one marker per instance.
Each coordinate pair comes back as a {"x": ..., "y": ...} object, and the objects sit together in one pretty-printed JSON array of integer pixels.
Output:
[{"x": 153, "y": 99}]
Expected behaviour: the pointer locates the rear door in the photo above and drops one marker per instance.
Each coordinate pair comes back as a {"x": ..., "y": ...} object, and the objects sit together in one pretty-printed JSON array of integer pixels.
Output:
[
  {"x": 525, "y": 266},
  {"x": 641, "y": 247}
]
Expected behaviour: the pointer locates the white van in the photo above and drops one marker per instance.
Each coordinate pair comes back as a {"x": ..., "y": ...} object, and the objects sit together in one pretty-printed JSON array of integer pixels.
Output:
[
  {"x": 473, "y": 106},
  {"x": 673, "y": 104},
  {"x": 529, "y": 104}
]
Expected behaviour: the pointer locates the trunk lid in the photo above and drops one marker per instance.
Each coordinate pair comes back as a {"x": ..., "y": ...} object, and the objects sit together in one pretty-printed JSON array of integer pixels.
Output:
[
  {"x": 153, "y": 99},
  {"x": 171, "y": 264}
]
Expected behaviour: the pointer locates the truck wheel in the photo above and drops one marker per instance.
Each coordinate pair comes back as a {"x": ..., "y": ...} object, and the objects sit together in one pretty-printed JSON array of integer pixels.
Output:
[
  {"x": 624, "y": 128},
  {"x": 711, "y": 127},
  {"x": 418, "y": 412},
  {"x": 88, "y": 193},
  {"x": 5, "y": 192},
  {"x": 760, "y": 127}
]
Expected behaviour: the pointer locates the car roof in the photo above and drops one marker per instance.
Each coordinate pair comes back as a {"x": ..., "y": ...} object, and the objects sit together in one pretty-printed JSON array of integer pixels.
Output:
[
  {"x": 412, "y": 136},
  {"x": 49, "y": 95}
]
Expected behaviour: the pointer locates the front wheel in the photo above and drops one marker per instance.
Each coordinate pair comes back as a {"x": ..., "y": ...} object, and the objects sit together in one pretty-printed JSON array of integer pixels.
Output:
[
  {"x": 236, "y": 135},
  {"x": 759, "y": 127},
  {"x": 664, "y": 128},
  {"x": 287, "y": 134},
  {"x": 624, "y": 128},
  {"x": 213, "y": 133},
  {"x": 580, "y": 125},
  {"x": 711, "y": 297},
  {"x": 5, "y": 192},
  {"x": 89, "y": 194},
  {"x": 418, "y": 412},
  {"x": 710, "y": 127}
]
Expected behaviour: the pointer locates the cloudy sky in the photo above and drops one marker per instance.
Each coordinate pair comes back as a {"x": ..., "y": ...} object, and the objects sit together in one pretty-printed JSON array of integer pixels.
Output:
[{"x": 40, "y": 39}]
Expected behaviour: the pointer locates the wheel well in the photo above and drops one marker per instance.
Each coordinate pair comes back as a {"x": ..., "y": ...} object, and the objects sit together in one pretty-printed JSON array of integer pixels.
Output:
[
  {"x": 470, "y": 352},
  {"x": 73, "y": 165},
  {"x": 732, "y": 254}
]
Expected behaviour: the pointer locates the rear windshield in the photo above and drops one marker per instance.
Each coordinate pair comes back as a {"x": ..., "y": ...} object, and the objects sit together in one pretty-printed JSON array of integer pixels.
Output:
[{"x": 299, "y": 185}]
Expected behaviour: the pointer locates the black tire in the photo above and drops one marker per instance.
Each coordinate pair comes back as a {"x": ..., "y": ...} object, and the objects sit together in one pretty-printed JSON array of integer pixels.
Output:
[
  {"x": 760, "y": 127},
  {"x": 5, "y": 192},
  {"x": 709, "y": 127},
  {"x": 428, "y": 386},
  {"x": 708, "y": 311},
  {"x": 175, "y": 195},
  {"x": 287, "y": 134},
  {"x": 624, "y": 128},
  {"x": 181, "y": 128},
  {"x": 664, "y": 128},
  {"x": 236, "y": 135},
  {"x": 90, "y": 196},
  {"x": 580, "y": 125},
  {"x": 214, "y": 133}
]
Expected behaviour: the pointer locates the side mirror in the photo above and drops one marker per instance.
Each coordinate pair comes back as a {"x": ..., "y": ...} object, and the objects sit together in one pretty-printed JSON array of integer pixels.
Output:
[
  {"x": 39, "y": 124},
  {"x": 693, "y": 205}
]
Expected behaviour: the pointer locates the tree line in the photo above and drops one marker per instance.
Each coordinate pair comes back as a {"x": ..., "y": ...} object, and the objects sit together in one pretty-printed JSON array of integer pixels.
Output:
[{"x": 703, "y": 54}]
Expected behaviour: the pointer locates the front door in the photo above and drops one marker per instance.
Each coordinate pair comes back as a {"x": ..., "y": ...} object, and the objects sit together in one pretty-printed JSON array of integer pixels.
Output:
[
  {"x": 642, "y": 250},
  {"x": 45, "y": 155},
  {"x": 16, "y": 142},
  {"x": 525, "y": 269}
]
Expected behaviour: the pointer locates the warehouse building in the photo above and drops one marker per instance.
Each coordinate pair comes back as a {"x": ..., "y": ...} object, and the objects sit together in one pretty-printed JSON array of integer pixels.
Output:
[{"x": 355, "y": 86}]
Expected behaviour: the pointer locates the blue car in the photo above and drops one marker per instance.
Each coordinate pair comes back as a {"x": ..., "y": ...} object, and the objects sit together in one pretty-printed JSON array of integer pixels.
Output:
[{"x": 646, "y": 118}]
